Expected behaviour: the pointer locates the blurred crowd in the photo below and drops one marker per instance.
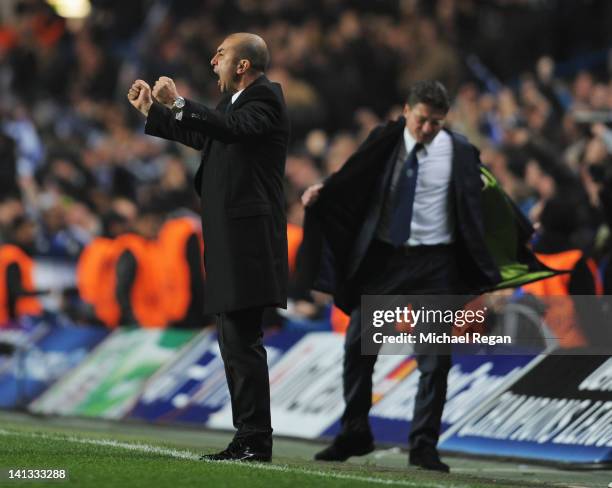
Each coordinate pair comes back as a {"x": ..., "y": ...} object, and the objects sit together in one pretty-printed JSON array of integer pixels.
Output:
[{"x": 530, "y": 81}]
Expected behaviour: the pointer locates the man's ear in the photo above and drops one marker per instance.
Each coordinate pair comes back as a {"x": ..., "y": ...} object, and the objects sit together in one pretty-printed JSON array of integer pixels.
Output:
[
  {"x": 407, "y": 110},
  {"x": 243, "y": 66}
]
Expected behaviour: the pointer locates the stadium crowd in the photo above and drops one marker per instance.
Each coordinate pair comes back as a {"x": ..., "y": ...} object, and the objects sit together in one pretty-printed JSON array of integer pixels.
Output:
[{"x": 531, "y": 86}]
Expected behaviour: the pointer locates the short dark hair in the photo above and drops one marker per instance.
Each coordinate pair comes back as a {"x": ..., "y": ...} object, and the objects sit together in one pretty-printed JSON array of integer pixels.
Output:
[
  {"x": 429, "y": 92},
  {"x": 255, "y": 53}
]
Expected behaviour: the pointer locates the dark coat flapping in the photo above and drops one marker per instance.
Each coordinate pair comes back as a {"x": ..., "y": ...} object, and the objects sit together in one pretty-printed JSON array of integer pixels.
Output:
[
  {"x": 341, "y": 224},
  {"x": 240, "y": 183}
]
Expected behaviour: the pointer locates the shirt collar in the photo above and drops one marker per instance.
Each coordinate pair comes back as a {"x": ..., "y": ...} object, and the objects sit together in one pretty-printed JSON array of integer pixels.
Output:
[
  {"x": 236, "y": 95},
  {"x": 409, "y": 142}
]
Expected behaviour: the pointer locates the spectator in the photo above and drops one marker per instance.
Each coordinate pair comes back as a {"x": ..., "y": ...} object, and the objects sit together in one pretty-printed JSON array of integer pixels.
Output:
[{"x": 17, "y": 291}]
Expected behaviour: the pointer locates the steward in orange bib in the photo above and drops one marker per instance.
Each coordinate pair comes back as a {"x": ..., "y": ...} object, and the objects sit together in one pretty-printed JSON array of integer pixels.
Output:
[
  {"x": 96, "y": 272},
  {"x": 182, "y": 245},
  {"x": 17, "y": 293},
  {"x": 558, "y": 222},
  {"x": 139, "y": 279}
]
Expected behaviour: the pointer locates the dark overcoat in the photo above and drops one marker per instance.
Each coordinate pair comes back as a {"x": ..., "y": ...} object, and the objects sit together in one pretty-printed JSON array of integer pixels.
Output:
[
  {"x": 240, "y": 183},
  {"x": 491, "y": 234}
]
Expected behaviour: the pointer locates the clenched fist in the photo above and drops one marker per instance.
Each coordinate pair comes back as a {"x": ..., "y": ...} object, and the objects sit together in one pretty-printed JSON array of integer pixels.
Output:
[
  {"x": 164, "y": 91},
  {"x": 139, "y": 96}
]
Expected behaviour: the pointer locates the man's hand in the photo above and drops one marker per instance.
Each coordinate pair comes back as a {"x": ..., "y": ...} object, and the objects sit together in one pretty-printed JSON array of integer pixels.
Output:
[
  {"x": 311, "y": 194},
  {"x": 139, "y": 96},
  {"x": 164, "y": 91}
]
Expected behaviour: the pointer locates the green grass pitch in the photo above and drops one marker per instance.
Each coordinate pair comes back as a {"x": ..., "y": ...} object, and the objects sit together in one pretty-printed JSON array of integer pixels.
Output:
[{"x": 101, "y": 453}]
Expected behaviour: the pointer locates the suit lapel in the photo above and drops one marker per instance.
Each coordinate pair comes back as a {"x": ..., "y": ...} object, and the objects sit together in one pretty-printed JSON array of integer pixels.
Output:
[
  {"x": 386, "y": 179},
  {"x": 370, "y": 223},
  {"x": 382, "y": 192},
  {"x": 225, "y": 104},
  {"x": 244, "y": 95}
]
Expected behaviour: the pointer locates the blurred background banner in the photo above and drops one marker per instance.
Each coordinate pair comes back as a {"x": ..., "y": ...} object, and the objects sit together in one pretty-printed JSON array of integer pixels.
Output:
[
  {"x": 42, "y": 353},
  {"x": 109, "y": 382},
  {"x": 193, "y": 386}
]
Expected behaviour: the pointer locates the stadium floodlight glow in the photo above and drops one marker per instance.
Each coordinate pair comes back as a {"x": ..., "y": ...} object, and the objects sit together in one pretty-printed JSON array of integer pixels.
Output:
[{"x": 71, "y": 9}]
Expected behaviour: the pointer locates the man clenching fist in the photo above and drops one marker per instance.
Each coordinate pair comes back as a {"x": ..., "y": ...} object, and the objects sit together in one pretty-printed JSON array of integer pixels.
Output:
[
  {"x": 243, "y": 211},
  {"x": 164, "y": 91},
  {"x": 139, "y": 96}
]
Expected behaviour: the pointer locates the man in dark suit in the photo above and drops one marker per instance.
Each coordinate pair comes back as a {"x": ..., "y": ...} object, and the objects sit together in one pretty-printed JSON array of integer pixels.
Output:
[
  {"x": 240, "y": 181},
  {"x": 402, "y": 217}
]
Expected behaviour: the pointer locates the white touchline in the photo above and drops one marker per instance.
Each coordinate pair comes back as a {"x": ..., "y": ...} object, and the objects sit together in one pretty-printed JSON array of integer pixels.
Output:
[
  {"x": 181, "y": 454},
  {"x": 514, "y": 469}
]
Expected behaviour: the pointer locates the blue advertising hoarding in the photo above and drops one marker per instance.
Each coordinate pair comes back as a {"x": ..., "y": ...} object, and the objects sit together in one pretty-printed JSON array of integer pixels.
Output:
[
  {"x": 193, "y": 386},
  {"x": 43, "y": 352},
  {"x": 559, "y": 410}
]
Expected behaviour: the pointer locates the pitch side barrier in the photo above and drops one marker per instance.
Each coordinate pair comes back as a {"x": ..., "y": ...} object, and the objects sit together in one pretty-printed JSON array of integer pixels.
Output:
[
  {"x": 547, "y": 408},
  {"x": 559, "y": 411}
]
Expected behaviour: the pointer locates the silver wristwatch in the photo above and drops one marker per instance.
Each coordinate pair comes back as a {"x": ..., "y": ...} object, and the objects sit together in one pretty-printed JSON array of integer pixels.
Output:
[{"x": 178, "y": 105}]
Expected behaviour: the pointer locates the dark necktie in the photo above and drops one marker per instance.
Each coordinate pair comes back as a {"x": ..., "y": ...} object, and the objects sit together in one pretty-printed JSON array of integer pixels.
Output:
[{"x": 406, "y": 187}]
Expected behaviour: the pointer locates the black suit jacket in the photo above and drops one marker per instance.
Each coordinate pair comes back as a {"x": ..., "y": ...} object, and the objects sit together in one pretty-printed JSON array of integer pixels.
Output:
[
  {"x": 240, "y": 183},
  {"x": 341, "y": 224}
]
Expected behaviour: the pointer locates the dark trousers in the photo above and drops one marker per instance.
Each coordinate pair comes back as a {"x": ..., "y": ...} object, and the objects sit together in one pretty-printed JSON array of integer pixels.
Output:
[
  {"x": 246, "y": 370},
  {"x": 385, "y": 271}
]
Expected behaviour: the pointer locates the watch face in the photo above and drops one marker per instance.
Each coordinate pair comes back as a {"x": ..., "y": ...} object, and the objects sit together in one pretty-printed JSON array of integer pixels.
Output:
[{"x": 179, "y": 102}]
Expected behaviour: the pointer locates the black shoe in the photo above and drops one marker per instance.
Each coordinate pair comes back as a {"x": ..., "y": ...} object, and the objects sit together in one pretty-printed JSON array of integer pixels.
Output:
[
  {"x": 428, "y": 459},
  {"x": 239, "y": 450},
  {"x": 345, "y": 446}
]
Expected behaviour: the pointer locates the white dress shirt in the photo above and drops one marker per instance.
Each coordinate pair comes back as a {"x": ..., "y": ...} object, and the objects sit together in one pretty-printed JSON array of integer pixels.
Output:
[
  {"x": 236, "y": 95},
  {"x": 432, "y": 214}
]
